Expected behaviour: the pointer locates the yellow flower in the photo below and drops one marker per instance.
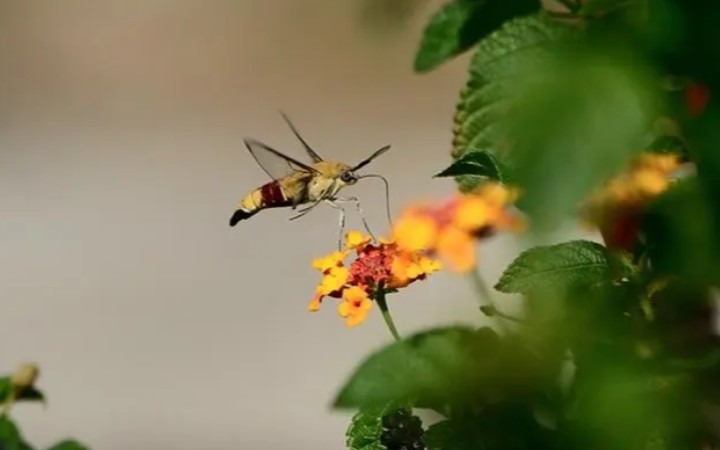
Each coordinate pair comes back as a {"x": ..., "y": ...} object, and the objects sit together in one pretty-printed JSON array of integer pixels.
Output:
[
  {"x": 355, "y": 306},
  {"x": 647, "y": 177},
  {"x": 415, "y": 232},
  {"x": 497, "y": 195},
  {"x": 376, "y": 269},
  {"x": 330, "y": 261},
  {"x": 355, "y": 240},
  {"x": 650, "y": 183},
  {"x": 333, "y": 280},
  {"x": 472, "y": 213}
]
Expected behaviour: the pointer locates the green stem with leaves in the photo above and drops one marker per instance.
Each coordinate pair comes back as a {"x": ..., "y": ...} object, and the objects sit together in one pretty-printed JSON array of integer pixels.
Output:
[{"x": 382, "y": 304}]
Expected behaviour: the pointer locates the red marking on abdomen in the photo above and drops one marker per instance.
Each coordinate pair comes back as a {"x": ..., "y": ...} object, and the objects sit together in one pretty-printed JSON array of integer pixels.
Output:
[{"x": 272, "y": 195}]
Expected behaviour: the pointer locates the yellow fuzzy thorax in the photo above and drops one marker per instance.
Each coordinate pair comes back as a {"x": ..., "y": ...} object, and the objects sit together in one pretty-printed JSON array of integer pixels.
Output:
[{"x": 330, "y": 169}]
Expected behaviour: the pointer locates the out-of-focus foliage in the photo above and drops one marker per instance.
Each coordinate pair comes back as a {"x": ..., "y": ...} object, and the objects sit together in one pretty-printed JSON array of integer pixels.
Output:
[
  {"x": 617, "y": 346},
  {"x": 460, "y": 24},
  {"x": 20, "y": 387}
]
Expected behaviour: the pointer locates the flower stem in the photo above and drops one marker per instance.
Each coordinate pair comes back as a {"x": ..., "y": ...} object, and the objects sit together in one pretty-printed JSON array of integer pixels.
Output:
[
  {"x": 482, "y": 289},
  {"x": 382, "y": 303},
  {"x": 485, "y": 298}
]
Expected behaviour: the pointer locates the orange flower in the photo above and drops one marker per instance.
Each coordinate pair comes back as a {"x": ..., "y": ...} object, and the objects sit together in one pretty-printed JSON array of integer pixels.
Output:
[
  {"x": 376, "y": 269},
  {"x": 450, "y": 229},
  {"x": 615, "y": 208},
  {"x": 458, "y": 249}
]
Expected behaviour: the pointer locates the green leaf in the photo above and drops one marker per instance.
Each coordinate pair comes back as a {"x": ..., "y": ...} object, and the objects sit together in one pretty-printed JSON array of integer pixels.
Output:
[
  {"x": 556, "y": 266},
  {"x": 453, "y": 435},
  {"x": 459, "y": 24},
  {"x": 475, "y": 164},
  {"x": 28, "y": 394},
  {"x": 579, "y": 120},
  {"x": 500, "y": 426},
  {"x": 432, "y": 367},
  {"x": 68, "y": 444},
  {"x": 365, "y": 430},
  {"x": 490, "y": 90},
  {"x": 668, "y": 144},
  {"x": 10, "y": 436},
  {"x": 681, "y": 230},
  {"x": 592, "y": 7}
]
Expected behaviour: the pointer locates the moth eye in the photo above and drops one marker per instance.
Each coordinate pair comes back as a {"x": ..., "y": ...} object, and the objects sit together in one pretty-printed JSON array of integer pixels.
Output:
[{"x": 347, "y": 177}]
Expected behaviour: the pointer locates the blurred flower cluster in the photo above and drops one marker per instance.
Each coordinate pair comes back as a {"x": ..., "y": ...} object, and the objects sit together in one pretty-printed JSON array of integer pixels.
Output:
[
  {"x": 615, "y": 208},
  {"x": 449, "y": 230}
]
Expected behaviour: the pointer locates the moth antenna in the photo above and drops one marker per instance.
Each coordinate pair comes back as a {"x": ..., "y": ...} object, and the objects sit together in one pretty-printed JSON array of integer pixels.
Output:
[
  {"x": 368, "y": 160},
  {"x": 387, "y": 194}
]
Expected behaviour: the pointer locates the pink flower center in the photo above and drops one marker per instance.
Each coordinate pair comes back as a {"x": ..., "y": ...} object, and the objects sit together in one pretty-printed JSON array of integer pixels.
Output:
[{"x": 372, "y": 266}]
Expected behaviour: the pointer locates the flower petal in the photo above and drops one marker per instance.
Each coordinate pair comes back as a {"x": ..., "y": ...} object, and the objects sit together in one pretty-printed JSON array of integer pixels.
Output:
[
  {"x": 458, "y": 249},
  {"x": 415, "y": 232},
  {"x": 327, "y": 262},
  {"x": 472, "y": 213},
  {"x": 315, "y": 303},
  {"x": 355, "y": 240}
]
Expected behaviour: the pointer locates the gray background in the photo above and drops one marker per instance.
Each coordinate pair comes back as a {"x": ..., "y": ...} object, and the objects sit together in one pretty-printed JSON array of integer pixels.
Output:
[{"x": 157, "y": 325}]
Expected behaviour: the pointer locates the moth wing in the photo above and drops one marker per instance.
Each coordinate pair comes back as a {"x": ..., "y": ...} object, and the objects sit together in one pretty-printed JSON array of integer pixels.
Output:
[{"x": 277, "y": 165}]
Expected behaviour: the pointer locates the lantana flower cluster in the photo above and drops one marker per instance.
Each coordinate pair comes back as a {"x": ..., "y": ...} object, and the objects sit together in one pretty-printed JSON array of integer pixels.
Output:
[
  {"x": 423, "y": 236},
  {"x": 615, "y": 209},
  {"x": 377, "y": 268},
  {"x": 450, "y": 230}
]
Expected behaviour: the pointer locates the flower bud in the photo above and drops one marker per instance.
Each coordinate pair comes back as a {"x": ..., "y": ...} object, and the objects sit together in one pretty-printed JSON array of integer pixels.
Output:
[{"x": 25, "y": 376}]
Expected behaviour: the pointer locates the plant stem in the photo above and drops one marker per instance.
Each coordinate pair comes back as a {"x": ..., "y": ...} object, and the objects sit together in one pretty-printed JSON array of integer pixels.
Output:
[
  {"x": 482, "y": 289},
  {"x": 485, "y": 298},
  {"x": 382, "y": 303}
]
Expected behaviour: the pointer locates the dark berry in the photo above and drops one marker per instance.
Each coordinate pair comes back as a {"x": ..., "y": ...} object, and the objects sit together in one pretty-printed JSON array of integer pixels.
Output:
[
  {"x": 389, "y": 422},
  {"x": 414, "y": 423},
  {"x": 387, "y": 440},
  {"x": 418, "y": 445}
]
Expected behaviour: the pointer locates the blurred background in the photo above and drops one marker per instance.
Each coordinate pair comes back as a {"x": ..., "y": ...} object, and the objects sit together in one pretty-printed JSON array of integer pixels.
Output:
[{"x": 155, "y": 324}]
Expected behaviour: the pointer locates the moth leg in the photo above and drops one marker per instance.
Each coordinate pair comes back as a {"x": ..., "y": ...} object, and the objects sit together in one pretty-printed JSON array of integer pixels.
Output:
[
  {"x": 361, "y": 213},
  {"x": 304, "y": 211},
  {"x": 342, "y": 221}
]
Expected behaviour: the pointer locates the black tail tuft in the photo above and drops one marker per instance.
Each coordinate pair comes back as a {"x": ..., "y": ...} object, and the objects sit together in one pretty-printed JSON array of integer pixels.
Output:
[{"x": 239, "y": 215}]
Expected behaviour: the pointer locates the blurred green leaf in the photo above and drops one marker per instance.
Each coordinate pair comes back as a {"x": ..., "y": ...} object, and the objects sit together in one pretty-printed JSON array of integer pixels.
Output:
[
  {"x": 431, "y": 367},
  {"x": 28, "y": 394},
  {"x": 365, "y": 429},
  {"x": 669, "y": 145},
  {"x": 592, "y": 7},
  {"x": 681, "y": 230},
  {"x": 475, "y": 164},
  {"x": 495, "y": 67},
  {"x": 68, "y": 444},
  {"x": 556, "y": 266},
  {"x": 454, "y": 435},
  {"x": 10, "y": 436},
  {"x": 459, "y": 24},
  {"x": 579, "y": 119},
  {"x": 616, "y": 405},
  {"x": 500, "y": 426},
  {"x": 454, "y": 366}
]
